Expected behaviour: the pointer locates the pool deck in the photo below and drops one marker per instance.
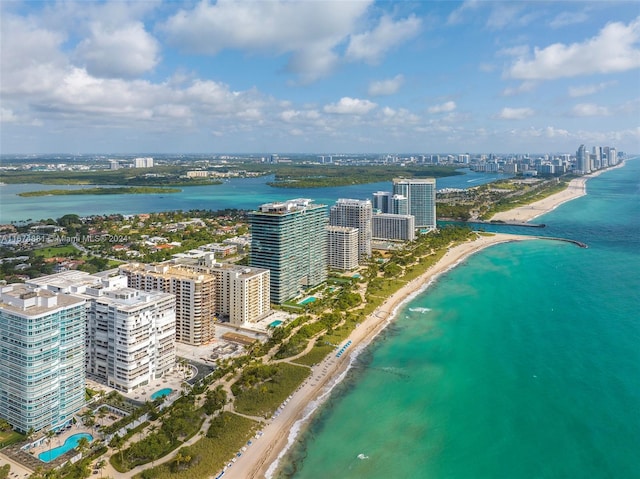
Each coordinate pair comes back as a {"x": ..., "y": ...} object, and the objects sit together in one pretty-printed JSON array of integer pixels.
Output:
[{"x": 24, "y": 463}]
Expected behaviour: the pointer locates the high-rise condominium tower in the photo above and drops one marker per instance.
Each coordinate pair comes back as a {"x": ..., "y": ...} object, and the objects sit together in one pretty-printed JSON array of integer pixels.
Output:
[
  {"x": 421, "y": 196},
  {"x": 130, "y": 334},
  {"x": 194, "y": 292},
  {"x": 354, "y": 214},
  {"x": 290, "y": 240},
  {"x": 42, "y": 353}
]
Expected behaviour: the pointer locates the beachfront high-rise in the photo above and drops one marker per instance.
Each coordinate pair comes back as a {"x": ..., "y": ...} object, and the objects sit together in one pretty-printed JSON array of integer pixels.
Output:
[
  {"x": 242, "y": 293},
  {"x": 130, "y": 334},
  {"x": 289, "y": 239},
  {"x": 342, "y": 247},
  {"x": 354, "y": 214},
  {"x": 421, "y": 197},
  {"x": 583, "y": 161},
  {"x": 42, "y": 356},
  {"x": 382, "y": 201},
  {"x": 194, "y": 292},
  {"x": 387, "y": 226}
]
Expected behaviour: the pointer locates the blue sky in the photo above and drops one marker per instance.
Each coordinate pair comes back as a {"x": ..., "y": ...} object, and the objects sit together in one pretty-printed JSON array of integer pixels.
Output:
[{"x": 318, "y": 76}]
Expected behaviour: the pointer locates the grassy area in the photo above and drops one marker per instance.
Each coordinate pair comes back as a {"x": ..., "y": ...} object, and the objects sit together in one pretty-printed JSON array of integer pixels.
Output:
[
  {"x": 262, "y": 397},
  {"x": 10, "y": 437},
  {"x": 525, "y": 199},
  {"x": 317, "y": 353},
  {"x": 51, "y": 251},
  {"x": 226, "y": 436}
]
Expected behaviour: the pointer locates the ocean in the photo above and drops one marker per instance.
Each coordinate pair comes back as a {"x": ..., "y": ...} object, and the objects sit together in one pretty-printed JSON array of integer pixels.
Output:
[{"x": 522, "y": 362}]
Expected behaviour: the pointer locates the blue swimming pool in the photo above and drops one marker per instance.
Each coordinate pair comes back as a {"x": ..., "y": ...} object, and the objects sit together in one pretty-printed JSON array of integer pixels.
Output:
[
  {"x": 161, "y": 393},
  {"x": 70, "y": 443},
  {"x": 275, "y": 323},
  {"x": 308, "y": 300}
]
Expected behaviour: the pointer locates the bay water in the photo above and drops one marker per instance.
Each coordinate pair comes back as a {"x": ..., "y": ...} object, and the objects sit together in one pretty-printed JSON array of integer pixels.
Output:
[
  {"x": 522, "y": 362},
  {"x": 237, "y": 193}
]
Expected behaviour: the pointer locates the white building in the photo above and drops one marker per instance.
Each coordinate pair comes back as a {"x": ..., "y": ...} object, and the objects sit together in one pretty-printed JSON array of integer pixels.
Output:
[
  {"x": 354, "y": 214},
  {"x": 342, "y": 248},
  {"x": 130, "y": 334},
  {"x": 388, "y": 226},
  {"x": 143, "y": 162},
  {"x": 42, "y": 355},
  {"x": 242, "y": 292}
]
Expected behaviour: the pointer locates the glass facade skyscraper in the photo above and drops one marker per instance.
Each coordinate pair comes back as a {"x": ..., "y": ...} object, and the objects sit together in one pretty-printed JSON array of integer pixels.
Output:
[
  {"x": 290, "y": 240},
  {"x": 421, "y": 196},
  {"x": 42, "y": 357}
]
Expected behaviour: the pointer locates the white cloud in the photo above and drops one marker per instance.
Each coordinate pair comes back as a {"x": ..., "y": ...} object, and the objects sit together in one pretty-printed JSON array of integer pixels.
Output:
[
  {"x": 589, "y": 109},
  {"x": 386, "y": 87},
  {"x": 308, "y": 30},
  {"x": 458, "y": 15},
  {"x": 400, "y": 116},
  {"x": 7, "y": 116},
  {"x": 124, "y": 51},
  {"x": 514, "y": 113},
  {"x": 565, "y": 19},
  {"x": 515, "y": 51},
  {"x": 614, "y": 49},
  {"x": 30, "y": 61},
  {"x": 443, "y": 108},
  {"x": 350, "y": 106},
  {"x": 524, "y": 87},
  {"x": 300, "y": 116},
  {"x": 371, "y": 46},
  {"x": 584, "y": 90},
  {"x": 504, "y": 14}
]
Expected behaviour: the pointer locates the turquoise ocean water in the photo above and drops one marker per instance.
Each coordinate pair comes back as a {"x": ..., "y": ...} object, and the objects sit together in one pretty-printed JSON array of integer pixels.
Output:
[{"x": 523, "y": 362}]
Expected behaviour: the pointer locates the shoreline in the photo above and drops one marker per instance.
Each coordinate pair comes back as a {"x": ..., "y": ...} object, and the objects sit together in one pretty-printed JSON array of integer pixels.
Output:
[
  {"x": 576, "y": 188},
  {"x": 263, "y": 458}
]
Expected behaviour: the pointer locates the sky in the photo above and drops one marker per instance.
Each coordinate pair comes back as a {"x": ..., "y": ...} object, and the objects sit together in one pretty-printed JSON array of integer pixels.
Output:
[{"x": 319, "y": 76}]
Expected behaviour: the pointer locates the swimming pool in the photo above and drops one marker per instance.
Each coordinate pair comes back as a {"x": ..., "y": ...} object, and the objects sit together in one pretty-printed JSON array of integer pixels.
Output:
[
  {"x": 70, "y": 443},
  {"x": 275, "y": 323},
  {"x": 161, "y": 393},
  {"x": 308, "y": 300}
]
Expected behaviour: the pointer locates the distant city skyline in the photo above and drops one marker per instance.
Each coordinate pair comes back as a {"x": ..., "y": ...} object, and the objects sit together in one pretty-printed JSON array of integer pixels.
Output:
[{"x": 354, "y": 77}]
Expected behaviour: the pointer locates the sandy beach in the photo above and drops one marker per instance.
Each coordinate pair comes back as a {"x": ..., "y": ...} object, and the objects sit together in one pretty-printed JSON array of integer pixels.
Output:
[
  {"x": 577, "y": 188},
  {"x": 262, "y": 458}
]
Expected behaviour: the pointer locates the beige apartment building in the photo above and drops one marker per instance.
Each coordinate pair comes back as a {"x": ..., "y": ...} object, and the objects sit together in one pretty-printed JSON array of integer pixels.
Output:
[
  {"x": 242, "y": 292},
  {"x": 195, "y": 294}
]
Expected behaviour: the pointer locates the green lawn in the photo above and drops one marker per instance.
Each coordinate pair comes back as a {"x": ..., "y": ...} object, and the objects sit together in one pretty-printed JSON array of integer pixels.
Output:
[
  {"x": 52, "y": 251},
  {"x": 10, "y": 437},
  {"x": 226, "y": 436},
  {"x": 262, "y": 398}
]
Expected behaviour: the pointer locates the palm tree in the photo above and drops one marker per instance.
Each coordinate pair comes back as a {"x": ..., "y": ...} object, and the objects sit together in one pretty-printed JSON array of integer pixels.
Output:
[
  {"x": 101, "y": 414},
  {"x": 50, "y": 435},
  {"x": 100, "y": 465},
  {"x": 29, "y": 434},
  {"x": 83, "y": 445}
]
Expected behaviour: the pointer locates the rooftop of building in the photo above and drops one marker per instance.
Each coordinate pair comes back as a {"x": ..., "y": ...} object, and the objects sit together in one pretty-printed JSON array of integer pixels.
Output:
[
  {"x": 26, "y": 300},
  {"x": 288, "y": 206}
]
